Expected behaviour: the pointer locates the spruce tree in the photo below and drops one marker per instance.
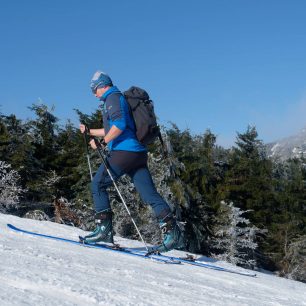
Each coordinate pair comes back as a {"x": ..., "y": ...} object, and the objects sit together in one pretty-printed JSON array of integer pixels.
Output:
[
  {"x": 248, "y": 181},
  {"x": 43, "y": 130},
  {"x": 69, "y": 157},
  {"x": 17, "y": 147}
]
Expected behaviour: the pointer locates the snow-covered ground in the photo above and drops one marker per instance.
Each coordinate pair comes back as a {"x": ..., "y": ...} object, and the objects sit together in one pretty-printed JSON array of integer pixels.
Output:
[{"x": 39, "y": 271}]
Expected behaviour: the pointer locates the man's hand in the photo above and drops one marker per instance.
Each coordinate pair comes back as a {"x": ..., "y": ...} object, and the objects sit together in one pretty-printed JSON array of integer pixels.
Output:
[
  {"x": 93, "y": 144},
  {"x": 84, "y": 128}
]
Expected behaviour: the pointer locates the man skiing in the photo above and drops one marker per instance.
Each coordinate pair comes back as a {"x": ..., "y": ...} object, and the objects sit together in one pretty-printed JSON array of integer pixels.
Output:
[{"x": 127, "y": 156}]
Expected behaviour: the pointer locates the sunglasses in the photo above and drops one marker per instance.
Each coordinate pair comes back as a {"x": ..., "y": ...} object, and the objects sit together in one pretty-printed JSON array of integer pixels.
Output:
[{"x": 94, "y": 90}]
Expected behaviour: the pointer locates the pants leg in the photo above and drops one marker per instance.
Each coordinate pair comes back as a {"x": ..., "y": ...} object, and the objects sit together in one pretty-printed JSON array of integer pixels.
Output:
[
  {"x": 145, "y": 186},
  {"x": 100, "y": 183}
]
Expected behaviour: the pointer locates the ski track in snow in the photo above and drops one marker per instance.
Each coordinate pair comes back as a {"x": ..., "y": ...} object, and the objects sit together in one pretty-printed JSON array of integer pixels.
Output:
[{"x": 39, "y": 271}]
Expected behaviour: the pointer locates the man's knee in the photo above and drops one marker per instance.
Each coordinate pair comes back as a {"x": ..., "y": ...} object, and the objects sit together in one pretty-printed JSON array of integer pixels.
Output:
[{"x": 98, "y": 184}]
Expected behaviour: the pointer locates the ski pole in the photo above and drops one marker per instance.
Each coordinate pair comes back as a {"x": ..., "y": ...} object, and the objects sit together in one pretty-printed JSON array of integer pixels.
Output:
[
  {"x": 100, "y": 150},
  {"x": 85, "y": 136}
]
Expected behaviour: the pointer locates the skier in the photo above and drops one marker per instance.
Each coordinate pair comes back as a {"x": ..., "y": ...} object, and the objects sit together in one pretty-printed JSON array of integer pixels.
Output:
[{"x": 127, "y": 156}]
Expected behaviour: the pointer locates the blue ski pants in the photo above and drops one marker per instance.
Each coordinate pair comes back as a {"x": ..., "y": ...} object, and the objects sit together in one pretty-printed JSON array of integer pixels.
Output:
[{"x": 133, "y": 164}]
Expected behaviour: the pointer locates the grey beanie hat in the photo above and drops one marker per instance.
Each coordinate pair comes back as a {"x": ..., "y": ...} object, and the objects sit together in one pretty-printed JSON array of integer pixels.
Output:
[{"x": 100, "y": 79}]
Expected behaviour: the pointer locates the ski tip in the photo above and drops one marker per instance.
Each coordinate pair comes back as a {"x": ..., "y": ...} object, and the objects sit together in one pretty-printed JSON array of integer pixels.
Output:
[{"x": 11, "y": 226}]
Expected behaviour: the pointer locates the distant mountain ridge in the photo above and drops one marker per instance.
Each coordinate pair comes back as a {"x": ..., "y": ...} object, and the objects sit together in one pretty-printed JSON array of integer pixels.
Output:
[{"x": 289, "y": 147}]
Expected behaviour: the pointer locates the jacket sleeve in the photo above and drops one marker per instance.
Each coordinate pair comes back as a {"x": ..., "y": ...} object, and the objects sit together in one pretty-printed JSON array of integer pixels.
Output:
[{"x": 116, "y": 112}]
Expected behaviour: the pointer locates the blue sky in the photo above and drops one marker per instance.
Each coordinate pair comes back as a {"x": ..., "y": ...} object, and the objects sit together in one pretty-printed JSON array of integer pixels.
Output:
[{"x": 214, "y": 64}]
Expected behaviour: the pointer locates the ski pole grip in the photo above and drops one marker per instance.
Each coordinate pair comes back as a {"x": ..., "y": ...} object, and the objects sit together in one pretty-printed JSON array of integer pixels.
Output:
[
  {"x": 87, "y": 129},
  {"x": 97, "y": 142},
  {"x": 85, "y": 136}
]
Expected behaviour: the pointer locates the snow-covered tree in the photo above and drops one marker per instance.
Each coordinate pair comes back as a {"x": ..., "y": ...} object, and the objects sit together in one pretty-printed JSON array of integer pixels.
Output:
[
  {"x": 50, "y": 184},
  {"x": 294, "y": 262},
  {"x": 10, "y": 190},
  {"x": 235, "y": 237}
]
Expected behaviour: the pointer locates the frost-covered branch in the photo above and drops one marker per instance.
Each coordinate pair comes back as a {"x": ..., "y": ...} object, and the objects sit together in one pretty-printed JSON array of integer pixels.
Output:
[
  {"x": 10, "y": 190},
  {"x": 51, "y": 179}
]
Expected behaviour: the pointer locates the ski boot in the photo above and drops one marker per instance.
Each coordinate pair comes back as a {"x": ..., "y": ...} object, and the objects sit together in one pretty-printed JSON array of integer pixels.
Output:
[
  {"x": 103, "y": 231},
  {"x": 173, "y": 237}
]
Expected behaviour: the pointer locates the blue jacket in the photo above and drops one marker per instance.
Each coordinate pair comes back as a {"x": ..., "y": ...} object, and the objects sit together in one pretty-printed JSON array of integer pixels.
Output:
[{"x": 115, "y": 111}]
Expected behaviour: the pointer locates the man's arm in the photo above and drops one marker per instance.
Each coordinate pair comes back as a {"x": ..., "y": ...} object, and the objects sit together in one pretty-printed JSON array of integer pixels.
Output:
[
  {"x": 97, "y": 132},
  {"x": 113, "y": 133},
  {"x": 93, "y": 132}
]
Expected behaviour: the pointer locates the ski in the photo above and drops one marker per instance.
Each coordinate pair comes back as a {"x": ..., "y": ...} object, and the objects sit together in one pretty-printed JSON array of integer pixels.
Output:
[
  {"x": 97, "y": 246},
  {"x": 191, "y": 260},
  {"x": 138, "y": 253}
]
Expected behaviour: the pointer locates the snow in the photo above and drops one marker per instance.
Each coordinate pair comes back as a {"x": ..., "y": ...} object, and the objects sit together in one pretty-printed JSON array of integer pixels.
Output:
[
  {"x": 274, "y": 148},
  {"x": 39, "y": 271}
]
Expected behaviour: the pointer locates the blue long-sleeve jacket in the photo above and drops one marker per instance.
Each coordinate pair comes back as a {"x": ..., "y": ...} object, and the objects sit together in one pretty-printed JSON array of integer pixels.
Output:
[{"x": 115, "y": 111}]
